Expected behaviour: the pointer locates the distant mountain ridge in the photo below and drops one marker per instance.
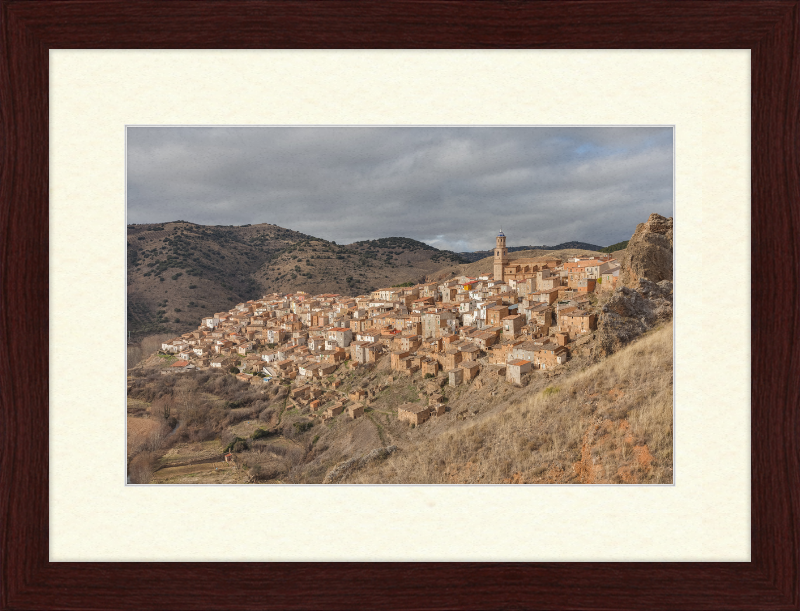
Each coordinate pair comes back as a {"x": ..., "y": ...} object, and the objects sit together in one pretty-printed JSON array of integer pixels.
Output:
[{"x": 482, "y": 254}]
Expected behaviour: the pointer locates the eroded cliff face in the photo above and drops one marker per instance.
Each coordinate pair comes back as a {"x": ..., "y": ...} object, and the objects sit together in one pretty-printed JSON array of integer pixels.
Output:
[
  {"x": 649, "y": 252},
  {"x": 630, "y": 313},
  {"x": 645, "y": 298}
]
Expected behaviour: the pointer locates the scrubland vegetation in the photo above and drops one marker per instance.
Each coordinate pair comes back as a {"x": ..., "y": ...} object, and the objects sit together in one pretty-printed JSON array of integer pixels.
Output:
[
  {"x": 189, "y": 409},
  {"x": 610, "y": 423},
  {"x": 146, "y": 346}
]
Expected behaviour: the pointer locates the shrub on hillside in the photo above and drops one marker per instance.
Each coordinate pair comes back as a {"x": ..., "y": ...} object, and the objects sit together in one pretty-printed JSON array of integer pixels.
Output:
[
  {"x": 140, "y": 469},
  {"x": 267, "y": 415},
  {"x": 259, "y": 433},
  {"x": 302, "y": 427},
  {"x": 237, "y": 444},
  {"x": 236, "y": 416}
]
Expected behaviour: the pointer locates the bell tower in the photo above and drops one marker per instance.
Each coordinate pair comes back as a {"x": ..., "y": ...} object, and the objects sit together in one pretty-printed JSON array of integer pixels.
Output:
[{"x": 500, "y": 256}]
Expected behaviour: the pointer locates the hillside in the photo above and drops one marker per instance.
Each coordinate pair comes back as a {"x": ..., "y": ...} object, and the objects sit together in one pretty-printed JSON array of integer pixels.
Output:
[
  {"x": 179, "y": 272},
  {"x": 610, "y": 422},
  {"x": 589, "y": 421},
  {"x": 602, "y": 416},
  {"x": 317, "y": 266}
]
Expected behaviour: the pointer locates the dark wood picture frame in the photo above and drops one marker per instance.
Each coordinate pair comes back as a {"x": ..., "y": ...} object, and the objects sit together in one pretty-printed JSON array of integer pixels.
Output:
[{"x": 29, "y": 28}]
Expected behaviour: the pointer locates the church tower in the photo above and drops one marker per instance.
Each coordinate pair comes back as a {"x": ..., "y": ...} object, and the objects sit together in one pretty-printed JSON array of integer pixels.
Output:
[{"x": 500, "y": 256}]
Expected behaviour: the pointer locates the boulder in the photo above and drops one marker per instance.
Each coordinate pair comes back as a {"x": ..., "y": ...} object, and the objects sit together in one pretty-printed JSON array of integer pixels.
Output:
[{"x": 649, "y": 252}]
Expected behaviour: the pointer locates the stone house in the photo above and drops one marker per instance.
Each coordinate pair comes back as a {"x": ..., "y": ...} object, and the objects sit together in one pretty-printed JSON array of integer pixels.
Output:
[
  {"x": 300, "y": 391},
  {"x": 484, "y": 339},
  {"x": 455, "y": 377},
  {"x": 549, "y": 283},
  {"x": 355, "y": 411},
  {"x": 358, "y": 353},
  {"x": 516, "y": 369},
  {"x": 550, "y": 356},
  {"x": 512, "y": 326},
  {"x": 397, "y": 358},
  {"x": 525, "y": 351},
  {"x": 373, "y": 352},
  {"x": 577, "y": 322},
  {"x": 415, "y": 413},
  {"x": 548, "y": 296},
  {"x": 430, "y": 367},
  {"x": 452, "y": 358},
  {"x": 501, "y": 353},
  {"x": 495, "y": 314},
  {"x": 326, "y": 369},
  {"x": 409, "y": 364},
  {"x": 341, "y": 336},
  {"x": 407, "y": 343},
  {"x": 334, "y": 410},
  {"x": 471, "y": 369},
  {"x": 609, "y": 276},
  {"x": 434, "y": 322},
  {"x": 358, "y": 395}
]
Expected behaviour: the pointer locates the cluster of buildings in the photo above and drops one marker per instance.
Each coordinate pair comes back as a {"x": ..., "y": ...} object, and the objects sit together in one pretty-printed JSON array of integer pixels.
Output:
[{"x": 521, "y": 318}]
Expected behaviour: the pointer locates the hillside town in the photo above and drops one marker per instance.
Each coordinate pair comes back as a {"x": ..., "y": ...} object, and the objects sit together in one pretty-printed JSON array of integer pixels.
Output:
[{"x": 524, "y": 317}]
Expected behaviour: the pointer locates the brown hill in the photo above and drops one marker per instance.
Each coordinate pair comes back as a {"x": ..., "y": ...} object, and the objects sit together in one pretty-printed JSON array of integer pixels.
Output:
[
  {"x": 605, "y": 421},
  {"x": 179, "y": 272},
  {"x": 317, "y": 266}
]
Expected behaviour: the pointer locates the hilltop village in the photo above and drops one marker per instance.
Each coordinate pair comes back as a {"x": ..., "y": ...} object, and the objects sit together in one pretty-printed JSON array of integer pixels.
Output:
[{"x": 527, "y": 316}]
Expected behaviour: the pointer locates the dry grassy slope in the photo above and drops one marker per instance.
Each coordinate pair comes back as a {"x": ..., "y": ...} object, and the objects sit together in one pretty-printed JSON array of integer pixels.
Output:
[
  {"x": 318, "y": 266},
  {"x": 607, "y": 423},
  {"x": 599, "y": 422}
]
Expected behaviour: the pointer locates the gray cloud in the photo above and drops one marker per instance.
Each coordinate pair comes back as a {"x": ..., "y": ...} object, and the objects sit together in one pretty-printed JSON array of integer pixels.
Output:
[{"x": 451, "y": 187}]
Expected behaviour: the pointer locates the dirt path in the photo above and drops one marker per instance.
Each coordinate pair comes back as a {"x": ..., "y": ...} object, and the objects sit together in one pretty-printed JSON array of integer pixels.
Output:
[
  {"x": 381, "y": 432},
  {"x": 188, "y": 463}
]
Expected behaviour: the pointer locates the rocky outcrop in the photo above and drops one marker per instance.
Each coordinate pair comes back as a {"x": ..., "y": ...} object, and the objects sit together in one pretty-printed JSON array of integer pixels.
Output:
[
  {"x": 629, "y": 313},
  {"x": 343, "y": 469},
  {"x": 649, "y": 252}
]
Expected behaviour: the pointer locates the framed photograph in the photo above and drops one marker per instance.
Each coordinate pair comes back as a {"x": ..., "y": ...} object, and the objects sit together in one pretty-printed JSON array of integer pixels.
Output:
[
  {"x": 318, "y": 548},
  {"x": 338, "y": 313}
]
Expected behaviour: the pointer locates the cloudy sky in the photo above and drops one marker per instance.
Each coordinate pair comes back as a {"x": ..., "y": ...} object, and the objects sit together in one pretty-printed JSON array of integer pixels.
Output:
[{"x": 451, "y": 187}]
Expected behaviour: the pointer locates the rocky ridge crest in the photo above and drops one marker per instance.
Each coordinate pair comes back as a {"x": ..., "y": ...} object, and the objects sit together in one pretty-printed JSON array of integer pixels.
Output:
[
  {"x": 649, "y": 252},
  {"x": 644, "y": 299}
]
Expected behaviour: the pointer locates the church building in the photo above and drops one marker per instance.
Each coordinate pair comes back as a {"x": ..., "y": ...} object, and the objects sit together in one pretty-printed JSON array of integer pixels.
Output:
[{"x": 520, "y": 268}]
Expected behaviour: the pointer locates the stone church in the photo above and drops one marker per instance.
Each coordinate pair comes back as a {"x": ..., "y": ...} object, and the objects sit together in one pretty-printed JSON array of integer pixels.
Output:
[{"x": 520, "y": 269}]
